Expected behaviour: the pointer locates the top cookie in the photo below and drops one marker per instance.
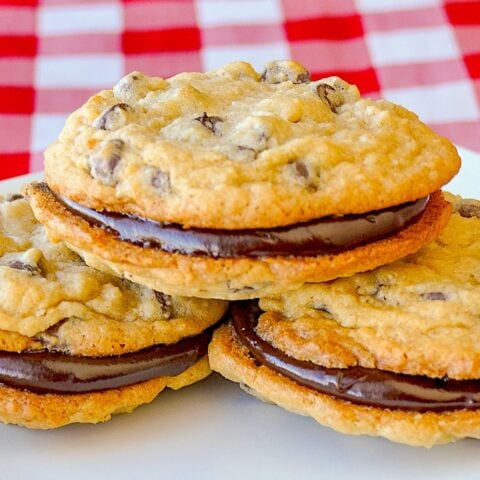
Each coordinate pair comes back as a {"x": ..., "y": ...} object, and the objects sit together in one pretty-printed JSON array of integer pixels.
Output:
[{"x": 234, "y": 148}]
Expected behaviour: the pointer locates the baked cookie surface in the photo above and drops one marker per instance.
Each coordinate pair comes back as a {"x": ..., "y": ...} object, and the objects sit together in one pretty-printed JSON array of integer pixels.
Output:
[
  {"x": 234, "y": 148},
  {"x": 78, "y": 345},
  {"x": 399, "y": 344}
]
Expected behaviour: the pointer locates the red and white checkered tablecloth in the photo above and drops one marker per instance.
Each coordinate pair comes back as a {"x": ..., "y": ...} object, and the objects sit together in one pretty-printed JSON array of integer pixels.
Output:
[{"x": 54, "y": 54}]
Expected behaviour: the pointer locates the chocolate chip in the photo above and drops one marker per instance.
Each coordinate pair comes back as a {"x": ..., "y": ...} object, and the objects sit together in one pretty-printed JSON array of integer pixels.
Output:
[
  {"x": 433, "y": 296},
  {"x": 283, "y": 71},
  {"x": 27, "y": 267},
  {"x": 304, "y": 175},
  {"x": 104, "y": 163},
  {"x": 160, "y": 180},
  {"x": 210, "y": 122},
  {"x": 302, "y": 77},
  {"x": 245, "y": 289},
  {"x": 14, "y": 196},
  {"x": 263, "y": 138},
  {"x": 442, "y": 382},
  {"x": 249, "y": 153},
  {"x": 126, "y": 89},
  {"x": 110, "y": 118},
  {"x": 330, "y": 96},
  {"x": 49, "y": 337},
  {"x": 243, "y": 147},
  {"x": 53, "y": 330},
  {"x": 320, "y": 307},
  {"x": 302, "y": 169},
  {"x": 378, "y": 294},
  {"x": 467, "y": 210},
  {"x": 165, "y": 302}
]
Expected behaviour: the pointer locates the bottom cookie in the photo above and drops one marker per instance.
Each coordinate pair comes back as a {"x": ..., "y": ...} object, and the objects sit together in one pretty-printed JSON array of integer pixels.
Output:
[
  {"x": 232, "y": 360},
  {"x": 52, "y": 410}
]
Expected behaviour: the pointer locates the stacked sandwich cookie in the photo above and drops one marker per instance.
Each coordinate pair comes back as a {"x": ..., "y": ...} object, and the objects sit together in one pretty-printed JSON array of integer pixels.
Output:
[
  {"x": 233, "y": 184},
  {"x": 391, "y": 352},
  {"x": 238, "y": 185},
  {"x": 78, "y": 345}
]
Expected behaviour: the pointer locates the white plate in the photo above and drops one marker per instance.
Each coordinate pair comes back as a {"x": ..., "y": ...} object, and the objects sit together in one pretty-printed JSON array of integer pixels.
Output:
[{"x": 213, "y": 430}]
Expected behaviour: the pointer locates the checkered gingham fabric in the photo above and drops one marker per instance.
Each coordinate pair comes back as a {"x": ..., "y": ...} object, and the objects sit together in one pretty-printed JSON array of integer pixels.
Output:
[{"x": 54, "y": 54}]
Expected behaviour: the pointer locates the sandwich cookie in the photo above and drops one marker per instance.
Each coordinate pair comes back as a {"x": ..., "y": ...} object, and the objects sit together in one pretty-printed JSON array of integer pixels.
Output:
[
  {"x": 78, "y": 345},
  {"x": 393, "y": 352},
  {"x": 237, "y": 184}
]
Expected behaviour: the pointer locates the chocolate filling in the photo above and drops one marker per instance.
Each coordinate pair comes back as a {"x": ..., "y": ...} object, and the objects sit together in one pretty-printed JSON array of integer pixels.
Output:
[
  {"x": 46, "y": 372},
  {"x": 365, "y": 386},
  {"x": 328, "y": 235}
]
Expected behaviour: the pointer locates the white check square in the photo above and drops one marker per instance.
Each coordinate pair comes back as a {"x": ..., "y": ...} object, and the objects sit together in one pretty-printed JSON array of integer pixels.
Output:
[
  {"x": 78, "y": 71},
  {"x": 412, "y": 45},
  {"x": 213, "y": 13},
  {"x": 376, "y": 6},
  {"x": 438, "y": 103},
  {"x": 257, "y": 55},
  {"x": 45, "y": 129},
  {"x": 75, "y": 19}
]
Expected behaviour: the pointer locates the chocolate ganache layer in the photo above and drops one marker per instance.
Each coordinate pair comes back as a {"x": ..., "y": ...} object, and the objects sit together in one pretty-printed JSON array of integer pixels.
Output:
[
  {"x": 329, "y": 235},
  {"x": 365, "y": 386},
  {"x": 45, "y": 372}
]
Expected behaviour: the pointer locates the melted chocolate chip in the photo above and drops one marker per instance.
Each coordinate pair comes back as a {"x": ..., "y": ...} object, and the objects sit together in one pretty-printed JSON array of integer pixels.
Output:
[
  {"x": 329, "y": 96},
  {"x": 302, "y": 78},
  {"x": 109, "y": 119},
  {"x": 328, "y": 235},
  {"x": 246, "y": 288},
  {"x": 359, "y": 385},
  {"x": 49, "y": 337},
  {"x": 469, "y": 210},
  {"x": 249, "y": 149},
  {"x": 14, "y": 196},
  {"x": 210, "y": 122},
  {"x": 433, "y": 296},
  {"x": 160, "y": 180},
  {"x": 104, "y": 162},
  {"x": 249, "y": 152},
  {"x": 378, "y": 294},
  {"x": 302, "y": 169},
  {"x": 279, "y": 72},
  {"x": 320, "y": 307},
  {"x": 53, "y": 330},
  {"x": 165, "y": 302},
  {"x": 303, "y": 174},
  {"x": 26, "y": 267}
]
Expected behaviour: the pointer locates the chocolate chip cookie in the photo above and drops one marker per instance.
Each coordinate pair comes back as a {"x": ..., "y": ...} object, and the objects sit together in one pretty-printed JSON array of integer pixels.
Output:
[
  {"x": 238, "y": 184},
  {"x": 78, "y": 345},
  {"x": 393, "y": 352}
]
